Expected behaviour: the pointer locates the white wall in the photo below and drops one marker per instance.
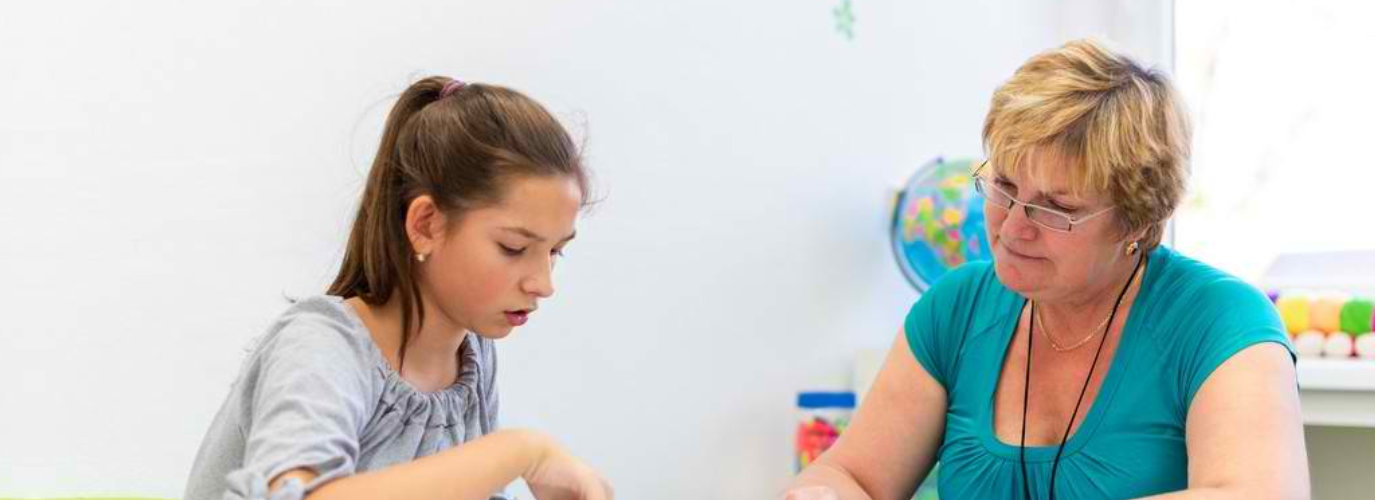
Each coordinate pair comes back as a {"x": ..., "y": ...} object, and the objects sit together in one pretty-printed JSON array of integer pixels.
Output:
[{"x": 169, "y": 171}]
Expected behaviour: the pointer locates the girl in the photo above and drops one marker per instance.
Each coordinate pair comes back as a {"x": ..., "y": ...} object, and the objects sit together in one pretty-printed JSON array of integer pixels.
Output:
[{"x": 369, "y": 391}]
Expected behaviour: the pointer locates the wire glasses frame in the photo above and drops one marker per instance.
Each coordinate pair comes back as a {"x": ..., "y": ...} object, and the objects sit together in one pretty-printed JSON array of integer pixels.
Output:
[{"x": 1046, "y": 217}]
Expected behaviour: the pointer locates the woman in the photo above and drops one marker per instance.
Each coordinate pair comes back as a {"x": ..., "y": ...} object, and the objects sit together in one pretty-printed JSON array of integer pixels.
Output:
[{"x": 1085, "y": 361}]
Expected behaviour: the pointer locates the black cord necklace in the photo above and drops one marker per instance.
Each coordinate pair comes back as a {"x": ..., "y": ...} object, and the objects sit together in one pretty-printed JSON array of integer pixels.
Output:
[{"x": 1026, "y": 387}]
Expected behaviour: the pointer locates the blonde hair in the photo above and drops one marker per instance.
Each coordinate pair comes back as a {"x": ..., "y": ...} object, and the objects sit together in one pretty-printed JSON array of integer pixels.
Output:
[{"x": 1122, "y": 129}]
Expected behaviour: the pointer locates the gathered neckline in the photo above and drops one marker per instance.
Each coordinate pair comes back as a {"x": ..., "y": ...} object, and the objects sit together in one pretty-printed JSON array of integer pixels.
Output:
[{"x": 465, "y": 383}]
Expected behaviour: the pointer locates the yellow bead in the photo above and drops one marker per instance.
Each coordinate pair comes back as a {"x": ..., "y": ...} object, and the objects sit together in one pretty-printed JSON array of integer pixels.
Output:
[{"x": 1294, "y": 312}]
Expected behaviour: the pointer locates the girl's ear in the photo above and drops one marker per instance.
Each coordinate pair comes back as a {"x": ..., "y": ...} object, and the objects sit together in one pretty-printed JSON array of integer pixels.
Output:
[{"x": 425, "y": 224}]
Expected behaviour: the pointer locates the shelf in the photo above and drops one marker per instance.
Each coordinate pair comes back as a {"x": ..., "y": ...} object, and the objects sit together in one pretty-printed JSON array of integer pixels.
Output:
[
  {"x": 1337, "y": 392},
  {"x": 1351, "y": 272}
]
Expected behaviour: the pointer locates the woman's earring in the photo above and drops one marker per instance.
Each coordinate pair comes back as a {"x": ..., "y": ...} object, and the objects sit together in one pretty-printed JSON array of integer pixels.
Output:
[
  {"x": 420, "y": 257},
  {"x": 1131, "y": 249}
]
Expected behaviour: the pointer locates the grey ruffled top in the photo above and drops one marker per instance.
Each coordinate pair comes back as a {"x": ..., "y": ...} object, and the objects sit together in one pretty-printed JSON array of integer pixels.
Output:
[{"x": 317, "y": 393}]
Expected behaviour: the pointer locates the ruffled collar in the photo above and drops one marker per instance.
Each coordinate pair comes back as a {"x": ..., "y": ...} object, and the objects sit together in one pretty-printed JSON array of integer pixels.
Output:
[{"x": 444, "y": 407}]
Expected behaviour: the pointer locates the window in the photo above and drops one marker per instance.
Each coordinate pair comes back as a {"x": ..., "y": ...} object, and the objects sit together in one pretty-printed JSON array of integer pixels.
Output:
[{"x": 1282, "y": 95}]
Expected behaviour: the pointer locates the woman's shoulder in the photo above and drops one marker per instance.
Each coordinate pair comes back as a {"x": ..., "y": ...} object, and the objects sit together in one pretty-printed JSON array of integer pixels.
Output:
[
  {"x": 1202, "y": 316},
  {"x": 970, "y": 285},
  {"x": 962, "y": 305},
  {"x": 1199, "y": 309},
  {"x": 965, "y": 294},
  {"x": 1184, "y": 284}
]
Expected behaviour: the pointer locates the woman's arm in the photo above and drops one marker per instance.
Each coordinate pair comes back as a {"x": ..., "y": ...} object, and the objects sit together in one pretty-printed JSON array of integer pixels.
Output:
[
  {"x": 891, "y": 443},
  {"x": 1244, "y": 431},
  {"x": 472, "y": 471}
]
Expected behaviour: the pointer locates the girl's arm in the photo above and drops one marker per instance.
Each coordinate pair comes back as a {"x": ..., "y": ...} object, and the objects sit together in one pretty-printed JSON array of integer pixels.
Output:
[{"x": 472, "y": 471}]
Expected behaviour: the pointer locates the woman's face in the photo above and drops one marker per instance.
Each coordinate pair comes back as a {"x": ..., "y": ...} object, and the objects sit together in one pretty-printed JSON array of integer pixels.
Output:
[
  {"x": 1043, "y": 264},
  {"x": 491, "y": 268}
]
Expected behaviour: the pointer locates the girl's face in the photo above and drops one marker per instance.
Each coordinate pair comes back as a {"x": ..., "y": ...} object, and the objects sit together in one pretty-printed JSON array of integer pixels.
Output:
[{"x": 487, "y": 271}]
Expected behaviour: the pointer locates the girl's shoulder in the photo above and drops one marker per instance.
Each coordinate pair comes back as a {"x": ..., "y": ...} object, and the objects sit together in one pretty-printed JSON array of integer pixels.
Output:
[{"x": 320, "y": 332}]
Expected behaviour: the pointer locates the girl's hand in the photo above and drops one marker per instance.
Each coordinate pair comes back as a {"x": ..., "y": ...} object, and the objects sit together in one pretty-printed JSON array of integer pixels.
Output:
[{"x": 557, "y": 475}]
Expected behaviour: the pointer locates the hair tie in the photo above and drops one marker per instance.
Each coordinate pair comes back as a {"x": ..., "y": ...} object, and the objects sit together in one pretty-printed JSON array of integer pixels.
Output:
[{"x": 450, "y": 87}]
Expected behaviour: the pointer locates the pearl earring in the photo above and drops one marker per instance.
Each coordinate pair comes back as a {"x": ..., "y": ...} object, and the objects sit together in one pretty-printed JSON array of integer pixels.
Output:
[{"x": 420, "y": 257}]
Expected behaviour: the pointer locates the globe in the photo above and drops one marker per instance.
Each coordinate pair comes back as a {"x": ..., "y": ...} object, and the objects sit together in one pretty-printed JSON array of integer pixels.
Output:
[{"x": 938, "y": 222}]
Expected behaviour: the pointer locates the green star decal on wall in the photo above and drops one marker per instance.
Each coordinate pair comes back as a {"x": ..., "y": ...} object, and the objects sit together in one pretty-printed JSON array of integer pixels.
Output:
[{"x": 844, "y": 19}]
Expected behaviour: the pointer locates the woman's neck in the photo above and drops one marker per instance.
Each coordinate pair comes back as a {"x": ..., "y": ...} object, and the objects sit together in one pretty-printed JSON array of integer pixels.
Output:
[{"x": 1075, "y": 317}]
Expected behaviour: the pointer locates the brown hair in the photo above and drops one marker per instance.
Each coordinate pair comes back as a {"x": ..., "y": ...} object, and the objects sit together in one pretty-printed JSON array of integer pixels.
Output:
[
  {"x": 1122, "y": 128},
  {"x": 459, "y": 146}
]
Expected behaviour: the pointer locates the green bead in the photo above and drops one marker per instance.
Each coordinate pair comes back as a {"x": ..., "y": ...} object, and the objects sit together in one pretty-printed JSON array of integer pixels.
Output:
[{"x": 1356, "y": 316}]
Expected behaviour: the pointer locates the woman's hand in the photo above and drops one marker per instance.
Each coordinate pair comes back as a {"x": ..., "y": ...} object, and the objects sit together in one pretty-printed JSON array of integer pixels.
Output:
[{"x": 557, "y": 475}]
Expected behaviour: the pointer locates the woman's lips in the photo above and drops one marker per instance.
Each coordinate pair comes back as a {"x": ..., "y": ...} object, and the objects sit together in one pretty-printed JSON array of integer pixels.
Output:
[{"x": 1019, "y": 255}]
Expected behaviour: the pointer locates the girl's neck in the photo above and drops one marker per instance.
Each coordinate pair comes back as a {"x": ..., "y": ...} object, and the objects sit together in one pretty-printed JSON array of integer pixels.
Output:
[{"x": 431, "y": 357}]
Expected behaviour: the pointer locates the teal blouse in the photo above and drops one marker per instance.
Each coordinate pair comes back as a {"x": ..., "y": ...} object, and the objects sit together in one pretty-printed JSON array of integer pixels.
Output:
[{"x": 1187, "y": 320}]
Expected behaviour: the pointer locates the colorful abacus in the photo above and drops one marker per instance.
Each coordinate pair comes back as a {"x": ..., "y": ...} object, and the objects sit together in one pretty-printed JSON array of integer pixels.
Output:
[{"x": 1330, "y": 325}]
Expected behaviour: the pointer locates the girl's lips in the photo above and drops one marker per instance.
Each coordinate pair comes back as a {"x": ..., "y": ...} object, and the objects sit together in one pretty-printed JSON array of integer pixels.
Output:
[{"x": 517, "y": 318}]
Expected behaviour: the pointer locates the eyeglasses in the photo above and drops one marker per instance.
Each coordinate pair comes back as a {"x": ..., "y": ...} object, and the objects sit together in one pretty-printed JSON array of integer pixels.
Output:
[{"x": 1046, "y": 217}]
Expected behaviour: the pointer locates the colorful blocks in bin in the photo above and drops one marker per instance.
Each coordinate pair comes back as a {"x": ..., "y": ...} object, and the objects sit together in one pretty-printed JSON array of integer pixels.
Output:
[
  {"x": 1330, "y": 325},
  {"x": 823, "y": 416}
]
